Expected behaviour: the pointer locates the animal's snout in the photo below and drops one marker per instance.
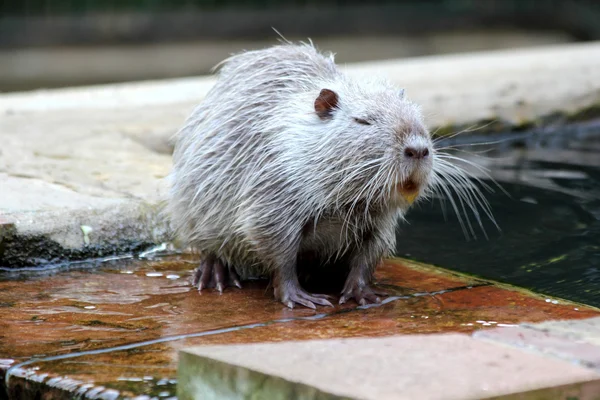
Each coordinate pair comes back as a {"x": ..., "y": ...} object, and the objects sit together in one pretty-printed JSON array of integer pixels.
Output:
[{"x": 416, "y": 153}]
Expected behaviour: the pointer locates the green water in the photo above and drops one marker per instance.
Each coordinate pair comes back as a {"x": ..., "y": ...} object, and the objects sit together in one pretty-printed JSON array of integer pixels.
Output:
[{"x": 550, "y": 224}]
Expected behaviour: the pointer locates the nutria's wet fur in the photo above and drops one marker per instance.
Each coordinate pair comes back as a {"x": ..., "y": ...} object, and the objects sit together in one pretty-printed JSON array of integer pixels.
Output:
[{"x": 288, "y": 158}]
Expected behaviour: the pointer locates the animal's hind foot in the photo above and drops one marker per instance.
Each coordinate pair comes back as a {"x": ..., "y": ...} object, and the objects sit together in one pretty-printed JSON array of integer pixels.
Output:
[{"x": 213, "y": 273}]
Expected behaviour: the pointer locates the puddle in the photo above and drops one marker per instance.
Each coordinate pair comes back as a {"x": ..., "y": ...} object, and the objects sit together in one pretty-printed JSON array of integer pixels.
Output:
[{"x": 550, "y": 238}]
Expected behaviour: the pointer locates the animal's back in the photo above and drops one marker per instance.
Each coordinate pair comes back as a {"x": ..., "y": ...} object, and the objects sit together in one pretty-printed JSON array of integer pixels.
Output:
[{"x": 225, "y": 149}]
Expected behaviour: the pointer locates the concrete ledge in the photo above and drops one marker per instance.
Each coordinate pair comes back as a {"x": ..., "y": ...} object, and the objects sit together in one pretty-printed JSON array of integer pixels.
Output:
[
  {"x": 58, "y": 236},
  {"x": 518, "y": 86},
  {"x": 69, "y": 155},
  {"x": 27, "y": 68},
  {"x": 447, "y": 366}
]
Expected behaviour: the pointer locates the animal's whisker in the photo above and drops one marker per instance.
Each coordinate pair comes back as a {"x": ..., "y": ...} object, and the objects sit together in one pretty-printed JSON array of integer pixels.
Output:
[
  {"x": 476, "y": 153},
  {"x": 469, "y": 129},
  {"x": 485, "y": 171},
  {"x": 450, "y": 177},
  {"x": 473, "y": 196},
  {"x": 475, "y": 144},
  {"x": 444, "y": 188}
]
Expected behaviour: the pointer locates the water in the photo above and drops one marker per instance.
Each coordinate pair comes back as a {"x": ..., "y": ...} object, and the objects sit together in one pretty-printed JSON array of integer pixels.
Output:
[{"x": 550, "y": 224}]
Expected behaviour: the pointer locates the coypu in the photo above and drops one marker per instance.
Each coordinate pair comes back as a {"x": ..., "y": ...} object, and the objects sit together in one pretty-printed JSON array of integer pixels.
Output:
[{"x": 288, "y": 158}]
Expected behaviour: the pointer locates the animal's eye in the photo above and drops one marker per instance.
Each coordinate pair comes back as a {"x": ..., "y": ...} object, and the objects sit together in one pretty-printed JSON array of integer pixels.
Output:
[{"x": 361, "y": 121}]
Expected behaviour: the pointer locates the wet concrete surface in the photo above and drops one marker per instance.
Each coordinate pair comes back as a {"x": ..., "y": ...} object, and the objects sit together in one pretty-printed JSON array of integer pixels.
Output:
[{"x": 114, "y": 331}]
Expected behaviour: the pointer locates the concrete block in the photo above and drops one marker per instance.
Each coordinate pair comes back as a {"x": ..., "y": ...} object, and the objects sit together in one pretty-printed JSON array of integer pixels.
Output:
[{"x": 447, "y": 366}]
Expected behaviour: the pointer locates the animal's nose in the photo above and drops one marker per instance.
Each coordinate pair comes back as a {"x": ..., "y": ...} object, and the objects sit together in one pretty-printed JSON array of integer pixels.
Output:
[{"x": 416, "y": 152}]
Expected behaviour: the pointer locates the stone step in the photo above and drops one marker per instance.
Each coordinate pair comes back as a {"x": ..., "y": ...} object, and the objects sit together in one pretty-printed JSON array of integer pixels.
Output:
[{"x": 449, "y": 366}]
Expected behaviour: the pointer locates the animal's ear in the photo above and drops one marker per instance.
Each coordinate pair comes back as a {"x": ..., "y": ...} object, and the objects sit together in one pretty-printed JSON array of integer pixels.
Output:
[
  {"x": 401, "y": 93},
  {"x": 325, "y": 103}
]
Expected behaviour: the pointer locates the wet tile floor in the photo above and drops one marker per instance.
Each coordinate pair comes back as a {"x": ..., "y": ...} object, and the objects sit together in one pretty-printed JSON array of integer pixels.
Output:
[{"x": 115, "y": 331}]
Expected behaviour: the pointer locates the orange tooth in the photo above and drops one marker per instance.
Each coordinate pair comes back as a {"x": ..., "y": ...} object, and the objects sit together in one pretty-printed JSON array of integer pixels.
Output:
[{"x": 410, "y": 197}]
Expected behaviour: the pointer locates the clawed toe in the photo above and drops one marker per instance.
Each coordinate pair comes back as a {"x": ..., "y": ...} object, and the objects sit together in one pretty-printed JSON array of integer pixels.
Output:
[
  {"x": 234, "y": 277},
  {"x": 290, "y": 295},
  {"x": 306, "y": 303},
  {"x": 308, "y": 300},
  {"x": 363, "y": 295},
  {"x": 321, "y": 300},
  {"x": 213, "y": 273}
]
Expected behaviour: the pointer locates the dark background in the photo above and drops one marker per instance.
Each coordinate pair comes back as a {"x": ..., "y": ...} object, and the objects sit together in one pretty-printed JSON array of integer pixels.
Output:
[
  {"x": 53, "y": 43},
  {"x": 50, "y": 22}
]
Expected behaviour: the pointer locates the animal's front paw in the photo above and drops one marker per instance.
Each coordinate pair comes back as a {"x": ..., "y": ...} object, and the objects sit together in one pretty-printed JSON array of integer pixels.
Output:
[
  {"x": 292, "y": 294},
  {"x": 213, "y": 273}
]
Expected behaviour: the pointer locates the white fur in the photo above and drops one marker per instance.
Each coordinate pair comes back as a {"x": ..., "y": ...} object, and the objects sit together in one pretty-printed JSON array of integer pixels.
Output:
[{"x": 258, "y": 176}]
